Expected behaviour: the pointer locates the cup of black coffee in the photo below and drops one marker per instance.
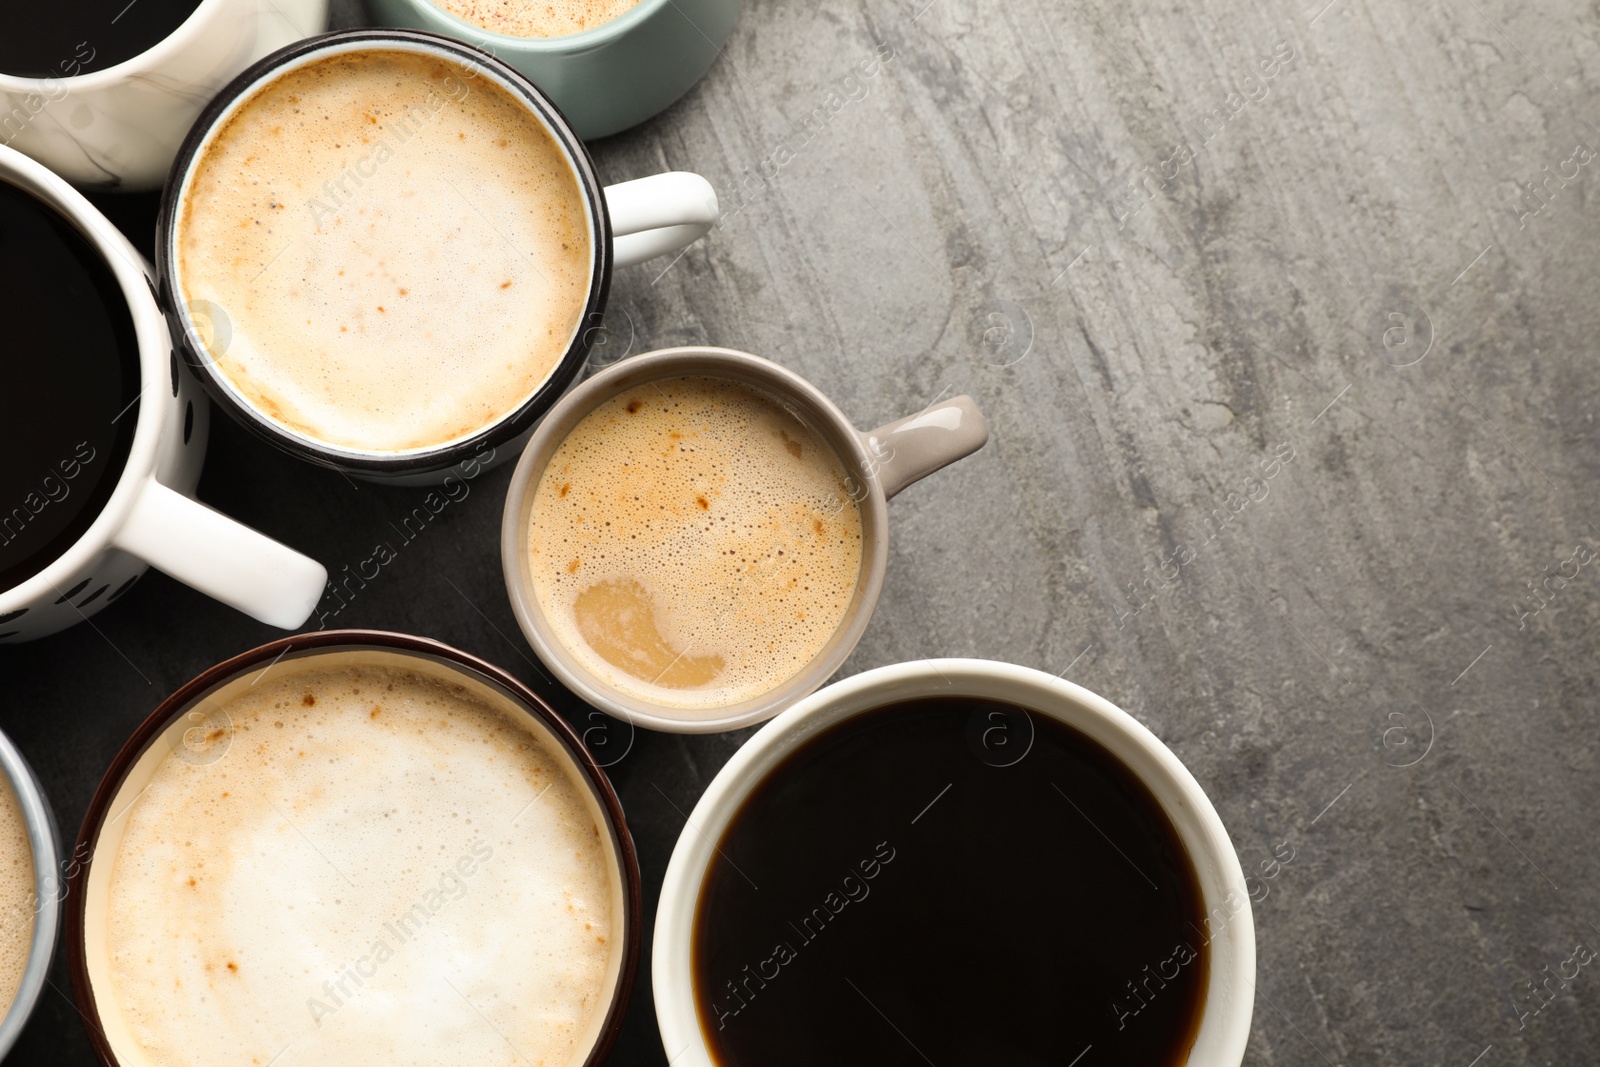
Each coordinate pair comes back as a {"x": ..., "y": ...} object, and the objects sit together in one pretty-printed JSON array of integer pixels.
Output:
[
  {"x": 105, "y": 432},
  {"x": 954, "y": 861},
  {"x": 103, "y": 91}
]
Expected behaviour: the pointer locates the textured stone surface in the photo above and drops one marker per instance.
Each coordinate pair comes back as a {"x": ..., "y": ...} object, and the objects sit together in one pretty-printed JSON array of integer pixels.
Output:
[{"x": 1344, "y": 662}]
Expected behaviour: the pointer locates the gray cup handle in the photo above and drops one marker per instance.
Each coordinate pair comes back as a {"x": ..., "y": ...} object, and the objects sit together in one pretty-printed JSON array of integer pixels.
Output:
[{"x": 912, "y": 448}]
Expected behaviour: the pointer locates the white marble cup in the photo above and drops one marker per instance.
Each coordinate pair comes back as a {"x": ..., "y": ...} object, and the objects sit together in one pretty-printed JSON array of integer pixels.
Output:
[
  {"x": 151, "y": 517},
  {"x": 119, "y": 128}
]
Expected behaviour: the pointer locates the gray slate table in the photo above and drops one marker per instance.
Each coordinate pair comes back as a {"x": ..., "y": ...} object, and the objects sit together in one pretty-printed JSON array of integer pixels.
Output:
[{"x": 1163, "y": 274}]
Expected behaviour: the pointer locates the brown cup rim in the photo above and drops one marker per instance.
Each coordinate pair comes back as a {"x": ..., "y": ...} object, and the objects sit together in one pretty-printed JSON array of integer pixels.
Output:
[{"x": 159, "y": 719}]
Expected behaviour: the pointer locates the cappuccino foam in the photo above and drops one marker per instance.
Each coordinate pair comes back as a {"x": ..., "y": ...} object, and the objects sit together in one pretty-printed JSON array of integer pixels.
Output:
[
  {"x": 693, "y": 543},
  {"x": 17, "y": 896},
  {"x": 374, "y": 868},
  {"x": 394, "y": 250},
  {"x": 537, "y": 18}
]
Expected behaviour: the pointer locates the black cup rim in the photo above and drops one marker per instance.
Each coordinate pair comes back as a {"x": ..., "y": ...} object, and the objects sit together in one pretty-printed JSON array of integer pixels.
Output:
[
  {"x": 510, "y": 426},
  {"x": 325, "y": 640}
]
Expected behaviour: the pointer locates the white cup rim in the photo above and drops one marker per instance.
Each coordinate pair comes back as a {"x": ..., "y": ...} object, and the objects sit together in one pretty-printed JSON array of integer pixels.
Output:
[
  {"x": 582, "y": 41},
  {"x": 1230, "y": 985},
  {"x": 150, "y": 331}
]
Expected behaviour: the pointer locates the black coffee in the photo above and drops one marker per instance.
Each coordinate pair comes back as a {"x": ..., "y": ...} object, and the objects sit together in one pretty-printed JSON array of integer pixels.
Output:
[
  {"x": 45, "y": 40},
  {"x": 69, "y": 385},
  {"x": 953, "y": 882}
]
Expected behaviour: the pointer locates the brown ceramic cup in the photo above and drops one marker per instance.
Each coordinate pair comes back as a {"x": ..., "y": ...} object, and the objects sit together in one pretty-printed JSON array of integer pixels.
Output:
[{"x": 193, "y": 725}]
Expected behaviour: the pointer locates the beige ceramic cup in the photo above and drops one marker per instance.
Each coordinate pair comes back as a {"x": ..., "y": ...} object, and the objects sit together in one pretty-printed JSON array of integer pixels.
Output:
[{"x": 879, "y": 463}]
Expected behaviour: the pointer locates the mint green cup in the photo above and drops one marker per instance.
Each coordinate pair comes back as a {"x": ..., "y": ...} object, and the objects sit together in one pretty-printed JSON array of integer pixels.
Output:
[{"x": 605, "y": 79}]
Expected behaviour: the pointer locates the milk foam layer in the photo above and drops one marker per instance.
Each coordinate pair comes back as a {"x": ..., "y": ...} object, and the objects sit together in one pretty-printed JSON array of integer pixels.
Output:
[
  {"x": 397, "y": 249},
  {"x": 537, "y": 18},
  {"x": 378, "y": 869},
  {"x": 17, "y": 896},
  {"x": 693, "y": 543}
]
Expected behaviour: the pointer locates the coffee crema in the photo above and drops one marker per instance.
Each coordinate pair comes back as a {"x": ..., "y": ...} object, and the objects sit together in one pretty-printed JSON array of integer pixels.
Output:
[
  {"x": 18, "y": 899},
  {"x": 360, "y": 865},
  {"x": 383, "y": 250},
  {"x": 693, "y": 543},
  {"x": 537, "y": 18}
]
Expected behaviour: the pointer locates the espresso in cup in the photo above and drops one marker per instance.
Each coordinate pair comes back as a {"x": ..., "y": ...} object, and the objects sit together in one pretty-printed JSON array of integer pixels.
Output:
[
  {"x": 18, "y": 896},
  {"x": 993, "y": 882},
  {"x": 65, "y": 40},
  {"x": 391, "y": 251},
  {"x": 694, "y": 543},
  {"x": 69, "y": 385},
  {"x": 537, "y": 18},
  {"x": 348, "y": 858}
]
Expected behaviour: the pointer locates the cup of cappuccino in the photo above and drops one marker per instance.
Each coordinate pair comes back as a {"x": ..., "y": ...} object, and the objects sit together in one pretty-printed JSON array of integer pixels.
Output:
[
  {"x": 30, "y": 892},
  {"x": 695, "y": 538},
  {"x": 608, "y": 64},
  {"x": 387, "y": 252},
  {"x": 354, "y": 847},
  {"x": 103, "y": 91}
]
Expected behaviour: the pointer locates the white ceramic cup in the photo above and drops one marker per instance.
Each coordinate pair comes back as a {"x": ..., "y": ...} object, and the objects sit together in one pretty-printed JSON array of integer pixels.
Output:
[
  {"x": 151, "y": 518},
  {"x": 1230, "y": 983},
  {"x": 49, "y": 886},
  {"x": 120, "y": 126}
]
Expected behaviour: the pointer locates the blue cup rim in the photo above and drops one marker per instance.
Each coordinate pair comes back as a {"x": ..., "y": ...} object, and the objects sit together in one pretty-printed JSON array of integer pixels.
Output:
[{"x": 582, "y": 41}]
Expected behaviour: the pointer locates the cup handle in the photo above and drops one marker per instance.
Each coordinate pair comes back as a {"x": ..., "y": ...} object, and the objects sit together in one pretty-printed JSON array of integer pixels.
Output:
[
  {"x": 914, "y": 447},
  {"x": 222, "y": 558},
  {"x": 659, "y": 214}
]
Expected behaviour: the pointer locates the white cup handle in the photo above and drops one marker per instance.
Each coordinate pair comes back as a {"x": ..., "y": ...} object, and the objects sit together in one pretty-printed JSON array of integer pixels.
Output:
[
  {"x": 653, "y": 216},
  {"x": 222, "y": 558}
]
